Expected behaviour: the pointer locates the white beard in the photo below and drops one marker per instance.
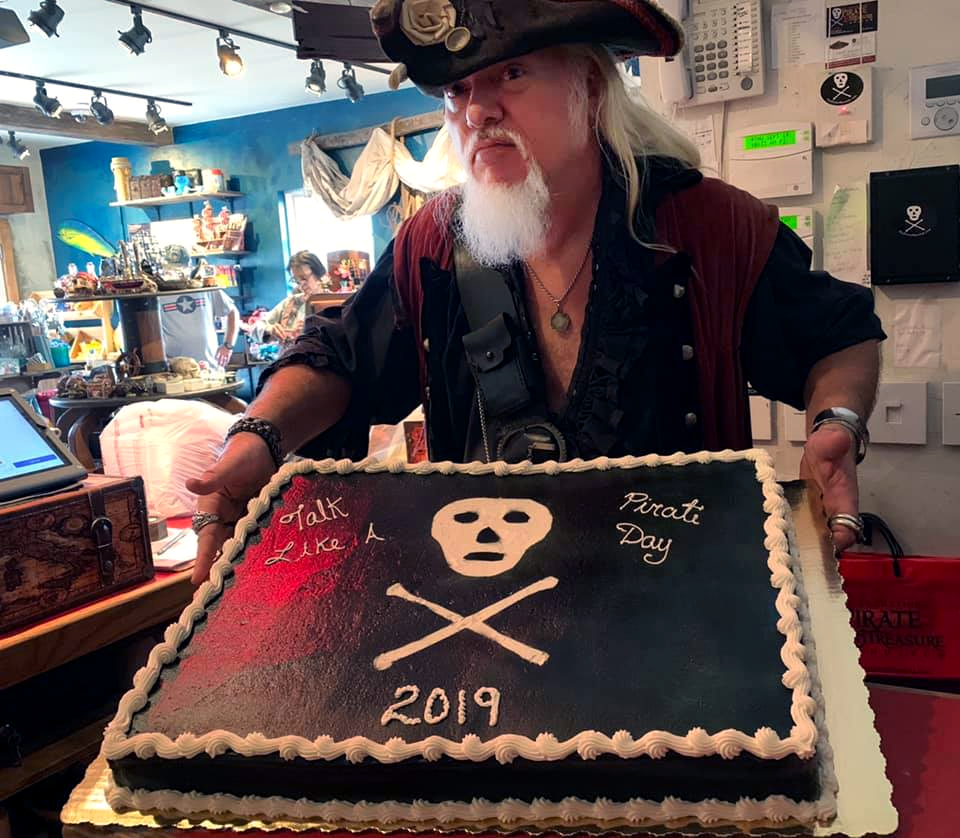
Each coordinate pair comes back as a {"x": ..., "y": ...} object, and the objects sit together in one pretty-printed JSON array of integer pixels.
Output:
[{"x": 504, "y": 223}]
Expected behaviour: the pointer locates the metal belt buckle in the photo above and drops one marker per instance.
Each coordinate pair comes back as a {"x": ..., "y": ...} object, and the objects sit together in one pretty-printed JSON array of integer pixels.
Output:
[{"x": 538, "y": 442}]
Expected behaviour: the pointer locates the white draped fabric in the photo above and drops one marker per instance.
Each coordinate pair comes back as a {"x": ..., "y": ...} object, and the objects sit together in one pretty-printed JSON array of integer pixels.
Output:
[{"x": 383, "y": 165}]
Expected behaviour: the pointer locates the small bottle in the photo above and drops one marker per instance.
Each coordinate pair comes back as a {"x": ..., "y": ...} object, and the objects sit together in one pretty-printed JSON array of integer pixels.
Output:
[
  {"x": 72, "y": 269},
  {"x": 91, "y": 269}
]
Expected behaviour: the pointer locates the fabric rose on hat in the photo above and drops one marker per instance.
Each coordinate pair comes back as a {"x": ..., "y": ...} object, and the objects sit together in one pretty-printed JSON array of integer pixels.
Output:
[{"x": 427, "y": 22}]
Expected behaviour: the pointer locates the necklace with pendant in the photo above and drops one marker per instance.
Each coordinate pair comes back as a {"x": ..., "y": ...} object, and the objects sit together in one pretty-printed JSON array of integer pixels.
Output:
[{"x": 560, "y": 322}]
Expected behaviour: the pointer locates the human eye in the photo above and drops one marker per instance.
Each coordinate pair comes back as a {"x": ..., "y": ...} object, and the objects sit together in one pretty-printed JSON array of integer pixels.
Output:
[
  {"x": 513, "y": 72},
  {"x": 455, "y": 91}
]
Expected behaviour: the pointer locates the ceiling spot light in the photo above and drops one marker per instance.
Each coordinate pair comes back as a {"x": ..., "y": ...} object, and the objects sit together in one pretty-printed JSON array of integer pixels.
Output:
[
  {"x": 20, "y": 151},
  {"x": 138, "y": 36},
  {"x": 12, "y": 32},
  {"x": 228, "y": 53},
  {"x": 99, "y": 109},
  {"x": 348, "y": 82},
  {"x": 317, "y": 80},
  {"x": 156, "y": 123},
  {"x": 280, "y": 8},
  {"x": 47, "y": 18},
  {"x": 47, "y": 105}
]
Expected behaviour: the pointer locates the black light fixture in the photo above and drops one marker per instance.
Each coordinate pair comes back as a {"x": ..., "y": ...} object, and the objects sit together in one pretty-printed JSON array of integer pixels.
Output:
[
  {"x": 138, "y": 36},
  {"x": 317, "y": 80},
  {"x": 156, "y": 123},
  {"x": 47, "y": 105},
  {"x": 47, "y": 18},
  {"x": 228, "y": 53},
  {"x": 12, "y": 32},
  {"x": 20, "y": 151},
  {"x": 99, "y": 109},
  {"x": 348, "y": 82}
]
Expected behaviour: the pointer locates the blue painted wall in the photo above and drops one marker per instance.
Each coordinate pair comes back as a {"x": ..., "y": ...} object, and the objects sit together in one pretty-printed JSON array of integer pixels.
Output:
[{"x": 252, "y": 150}]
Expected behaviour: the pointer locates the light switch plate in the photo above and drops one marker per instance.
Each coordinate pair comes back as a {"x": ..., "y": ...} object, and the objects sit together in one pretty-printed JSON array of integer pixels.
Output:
[
  {"x": 951, "y": 412},
  {"x": 794, "y": 424},
  {"x": 761, "y": 418},
  {"x": 900, "y": 416}
]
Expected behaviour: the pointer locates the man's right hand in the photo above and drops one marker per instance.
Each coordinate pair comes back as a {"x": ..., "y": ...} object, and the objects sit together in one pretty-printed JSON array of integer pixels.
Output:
[{"x": 244, "y": 468}]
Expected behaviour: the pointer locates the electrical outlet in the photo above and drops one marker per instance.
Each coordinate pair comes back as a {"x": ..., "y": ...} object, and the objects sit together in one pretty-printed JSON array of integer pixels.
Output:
[
  {"x": 951, "y": 412},
  {"x": 761, "y": 418},
  {"x": 900, "y": 416}
]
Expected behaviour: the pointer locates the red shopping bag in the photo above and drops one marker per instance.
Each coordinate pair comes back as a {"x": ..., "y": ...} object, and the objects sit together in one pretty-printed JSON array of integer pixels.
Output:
[{"x": 905, "y": 609}]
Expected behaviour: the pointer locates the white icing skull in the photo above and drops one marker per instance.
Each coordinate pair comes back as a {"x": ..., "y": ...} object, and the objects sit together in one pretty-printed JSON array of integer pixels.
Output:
[
  {"x": 489, "y": 536},
  {"x": 914, "y": 213},
  {"x": 840, "y": 80}
]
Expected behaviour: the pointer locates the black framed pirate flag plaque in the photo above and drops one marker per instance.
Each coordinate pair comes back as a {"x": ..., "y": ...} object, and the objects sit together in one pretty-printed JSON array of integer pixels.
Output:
[{"x": 915, "y": 225}]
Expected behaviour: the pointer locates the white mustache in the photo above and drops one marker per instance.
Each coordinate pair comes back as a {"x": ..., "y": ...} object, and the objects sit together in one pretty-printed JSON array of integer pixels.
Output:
[{"x": 487, "y": 134}]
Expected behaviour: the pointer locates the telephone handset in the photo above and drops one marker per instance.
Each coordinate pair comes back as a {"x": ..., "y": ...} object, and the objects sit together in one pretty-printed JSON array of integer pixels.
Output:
[{"x": 723, "y": 57}]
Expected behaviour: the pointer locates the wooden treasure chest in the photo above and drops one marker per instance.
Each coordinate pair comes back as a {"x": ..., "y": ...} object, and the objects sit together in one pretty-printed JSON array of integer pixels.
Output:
[{"x": 69, "y": 548}]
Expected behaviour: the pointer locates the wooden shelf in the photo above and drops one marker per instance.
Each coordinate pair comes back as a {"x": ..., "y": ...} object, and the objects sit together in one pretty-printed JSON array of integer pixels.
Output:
[
  {"x": 189, "y": 198},
  {"x": 119, "y": 298},
  {"x": 80, "y": 746},
  {"x": 223, "y": 254},
  {"x": 56, "y": 641}
]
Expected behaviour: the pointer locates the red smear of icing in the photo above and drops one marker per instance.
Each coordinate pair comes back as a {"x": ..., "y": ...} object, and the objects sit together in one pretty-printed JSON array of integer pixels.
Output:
[{"x": 269, "y": 615}]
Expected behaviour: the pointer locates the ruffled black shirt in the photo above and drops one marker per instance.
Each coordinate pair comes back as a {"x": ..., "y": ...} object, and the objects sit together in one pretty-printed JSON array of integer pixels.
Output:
[{"x": 634, "y": 387}]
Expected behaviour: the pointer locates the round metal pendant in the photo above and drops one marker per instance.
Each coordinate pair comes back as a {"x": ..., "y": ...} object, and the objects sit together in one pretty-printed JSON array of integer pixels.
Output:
[
  {"x": 458, "y": 39},
  {"x": 560, "y": 322}
]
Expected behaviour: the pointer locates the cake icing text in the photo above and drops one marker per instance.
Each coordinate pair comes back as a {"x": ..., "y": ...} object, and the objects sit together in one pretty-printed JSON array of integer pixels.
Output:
[{"x": 436, "y": 707}]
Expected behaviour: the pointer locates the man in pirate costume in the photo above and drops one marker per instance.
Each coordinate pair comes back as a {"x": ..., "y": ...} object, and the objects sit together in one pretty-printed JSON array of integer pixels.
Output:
[{"x": 587, "y": 292}]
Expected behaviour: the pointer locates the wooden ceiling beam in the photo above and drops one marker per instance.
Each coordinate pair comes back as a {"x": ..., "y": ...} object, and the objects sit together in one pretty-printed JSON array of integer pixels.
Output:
[
  {"x": 29, "y": 120},
  {"x": 361, "y": 136}
]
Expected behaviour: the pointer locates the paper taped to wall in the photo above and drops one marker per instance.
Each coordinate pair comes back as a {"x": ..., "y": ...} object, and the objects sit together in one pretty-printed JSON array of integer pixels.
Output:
[
  {"x": 845, "y": 234},
  {"x": 917, "y": 335},
  {"x": 797, "y": 33}
]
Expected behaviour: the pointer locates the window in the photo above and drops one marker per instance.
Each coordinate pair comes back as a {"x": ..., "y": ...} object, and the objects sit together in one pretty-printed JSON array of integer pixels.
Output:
[{"x": 312, "y": 226}]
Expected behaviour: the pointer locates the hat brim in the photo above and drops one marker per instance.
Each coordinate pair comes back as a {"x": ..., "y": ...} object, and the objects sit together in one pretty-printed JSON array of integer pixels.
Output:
[{"x": 628, "y": 27}]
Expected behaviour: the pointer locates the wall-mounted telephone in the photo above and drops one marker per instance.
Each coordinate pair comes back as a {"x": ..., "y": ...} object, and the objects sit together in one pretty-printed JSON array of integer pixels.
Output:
[{"x": 724, "y": 53}]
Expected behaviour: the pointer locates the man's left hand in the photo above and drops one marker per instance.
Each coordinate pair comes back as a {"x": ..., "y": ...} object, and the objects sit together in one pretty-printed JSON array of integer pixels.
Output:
[
  {"x": 828, "y": 459},
  {"x": 224, "y": 354}
]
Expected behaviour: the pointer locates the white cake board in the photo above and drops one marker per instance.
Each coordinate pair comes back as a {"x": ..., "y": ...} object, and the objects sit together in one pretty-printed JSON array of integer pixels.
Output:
[{"x": 863, "y": 803}]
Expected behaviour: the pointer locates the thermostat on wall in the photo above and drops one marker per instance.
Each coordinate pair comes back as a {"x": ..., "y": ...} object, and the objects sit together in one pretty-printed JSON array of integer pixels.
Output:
[
  {"x": 935, "y": 100},
  {"x": 773, "y": 161},
  {"x": 803, "y": 222},
  {"x": 800, "y": 220}
]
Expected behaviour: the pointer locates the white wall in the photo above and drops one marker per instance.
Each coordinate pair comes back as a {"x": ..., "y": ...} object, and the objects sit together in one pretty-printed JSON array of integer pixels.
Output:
[
  {"x": 32, "y": 244},
  {"x": 915, "y": 488}
]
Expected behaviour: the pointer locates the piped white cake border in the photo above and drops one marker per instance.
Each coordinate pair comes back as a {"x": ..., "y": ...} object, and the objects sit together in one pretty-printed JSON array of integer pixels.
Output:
[{"x": 765, "y": 743}]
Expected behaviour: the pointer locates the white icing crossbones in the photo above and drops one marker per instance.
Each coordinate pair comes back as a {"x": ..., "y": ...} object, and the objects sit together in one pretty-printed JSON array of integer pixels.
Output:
[{"x": 475, "y": 622}]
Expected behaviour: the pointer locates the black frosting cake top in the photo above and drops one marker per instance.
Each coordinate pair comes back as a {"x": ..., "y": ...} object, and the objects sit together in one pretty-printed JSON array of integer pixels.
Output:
[{"x": 407, "y": 606}]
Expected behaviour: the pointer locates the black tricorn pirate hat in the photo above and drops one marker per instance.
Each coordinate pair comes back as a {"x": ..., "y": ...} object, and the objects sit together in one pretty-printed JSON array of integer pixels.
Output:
[{"x": 436, "y": 42}]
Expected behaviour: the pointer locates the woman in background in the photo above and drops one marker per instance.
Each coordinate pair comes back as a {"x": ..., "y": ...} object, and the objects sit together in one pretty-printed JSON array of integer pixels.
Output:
[{"x": 284, "y": 322}]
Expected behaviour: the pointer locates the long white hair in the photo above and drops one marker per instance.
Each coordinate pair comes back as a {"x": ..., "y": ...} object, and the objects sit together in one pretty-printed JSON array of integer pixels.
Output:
[{"x": 627, "y": 128}]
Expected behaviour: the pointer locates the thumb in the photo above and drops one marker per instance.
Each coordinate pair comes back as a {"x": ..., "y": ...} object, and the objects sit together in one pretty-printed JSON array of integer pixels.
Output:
[{"x": 211, "y": 481}]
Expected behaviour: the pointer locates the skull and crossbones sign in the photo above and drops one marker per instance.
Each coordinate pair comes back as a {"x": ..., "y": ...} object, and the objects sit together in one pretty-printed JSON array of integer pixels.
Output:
[
  {"x": 480, "y": 538},
  {"x": 915, "y": 222},
  {"x": 841, "y": 92}
]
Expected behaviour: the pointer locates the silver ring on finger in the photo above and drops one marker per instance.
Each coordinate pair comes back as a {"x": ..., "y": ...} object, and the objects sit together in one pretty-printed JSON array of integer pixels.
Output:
[
  {"x": 204, "y": 519},
  {"x": 851, "y": 522}
]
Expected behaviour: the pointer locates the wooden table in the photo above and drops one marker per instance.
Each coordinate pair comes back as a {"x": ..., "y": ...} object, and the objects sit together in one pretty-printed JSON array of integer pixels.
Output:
[
  {"x": 140, "y": 316},
  {"x": 26, "y": 381},
  {"x": 78, "y": 418},
  {"x": 57, "y": 641}
]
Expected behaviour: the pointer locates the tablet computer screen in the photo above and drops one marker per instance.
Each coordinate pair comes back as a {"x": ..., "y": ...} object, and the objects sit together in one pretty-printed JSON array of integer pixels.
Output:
[{"x": 33, "y": 460}]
